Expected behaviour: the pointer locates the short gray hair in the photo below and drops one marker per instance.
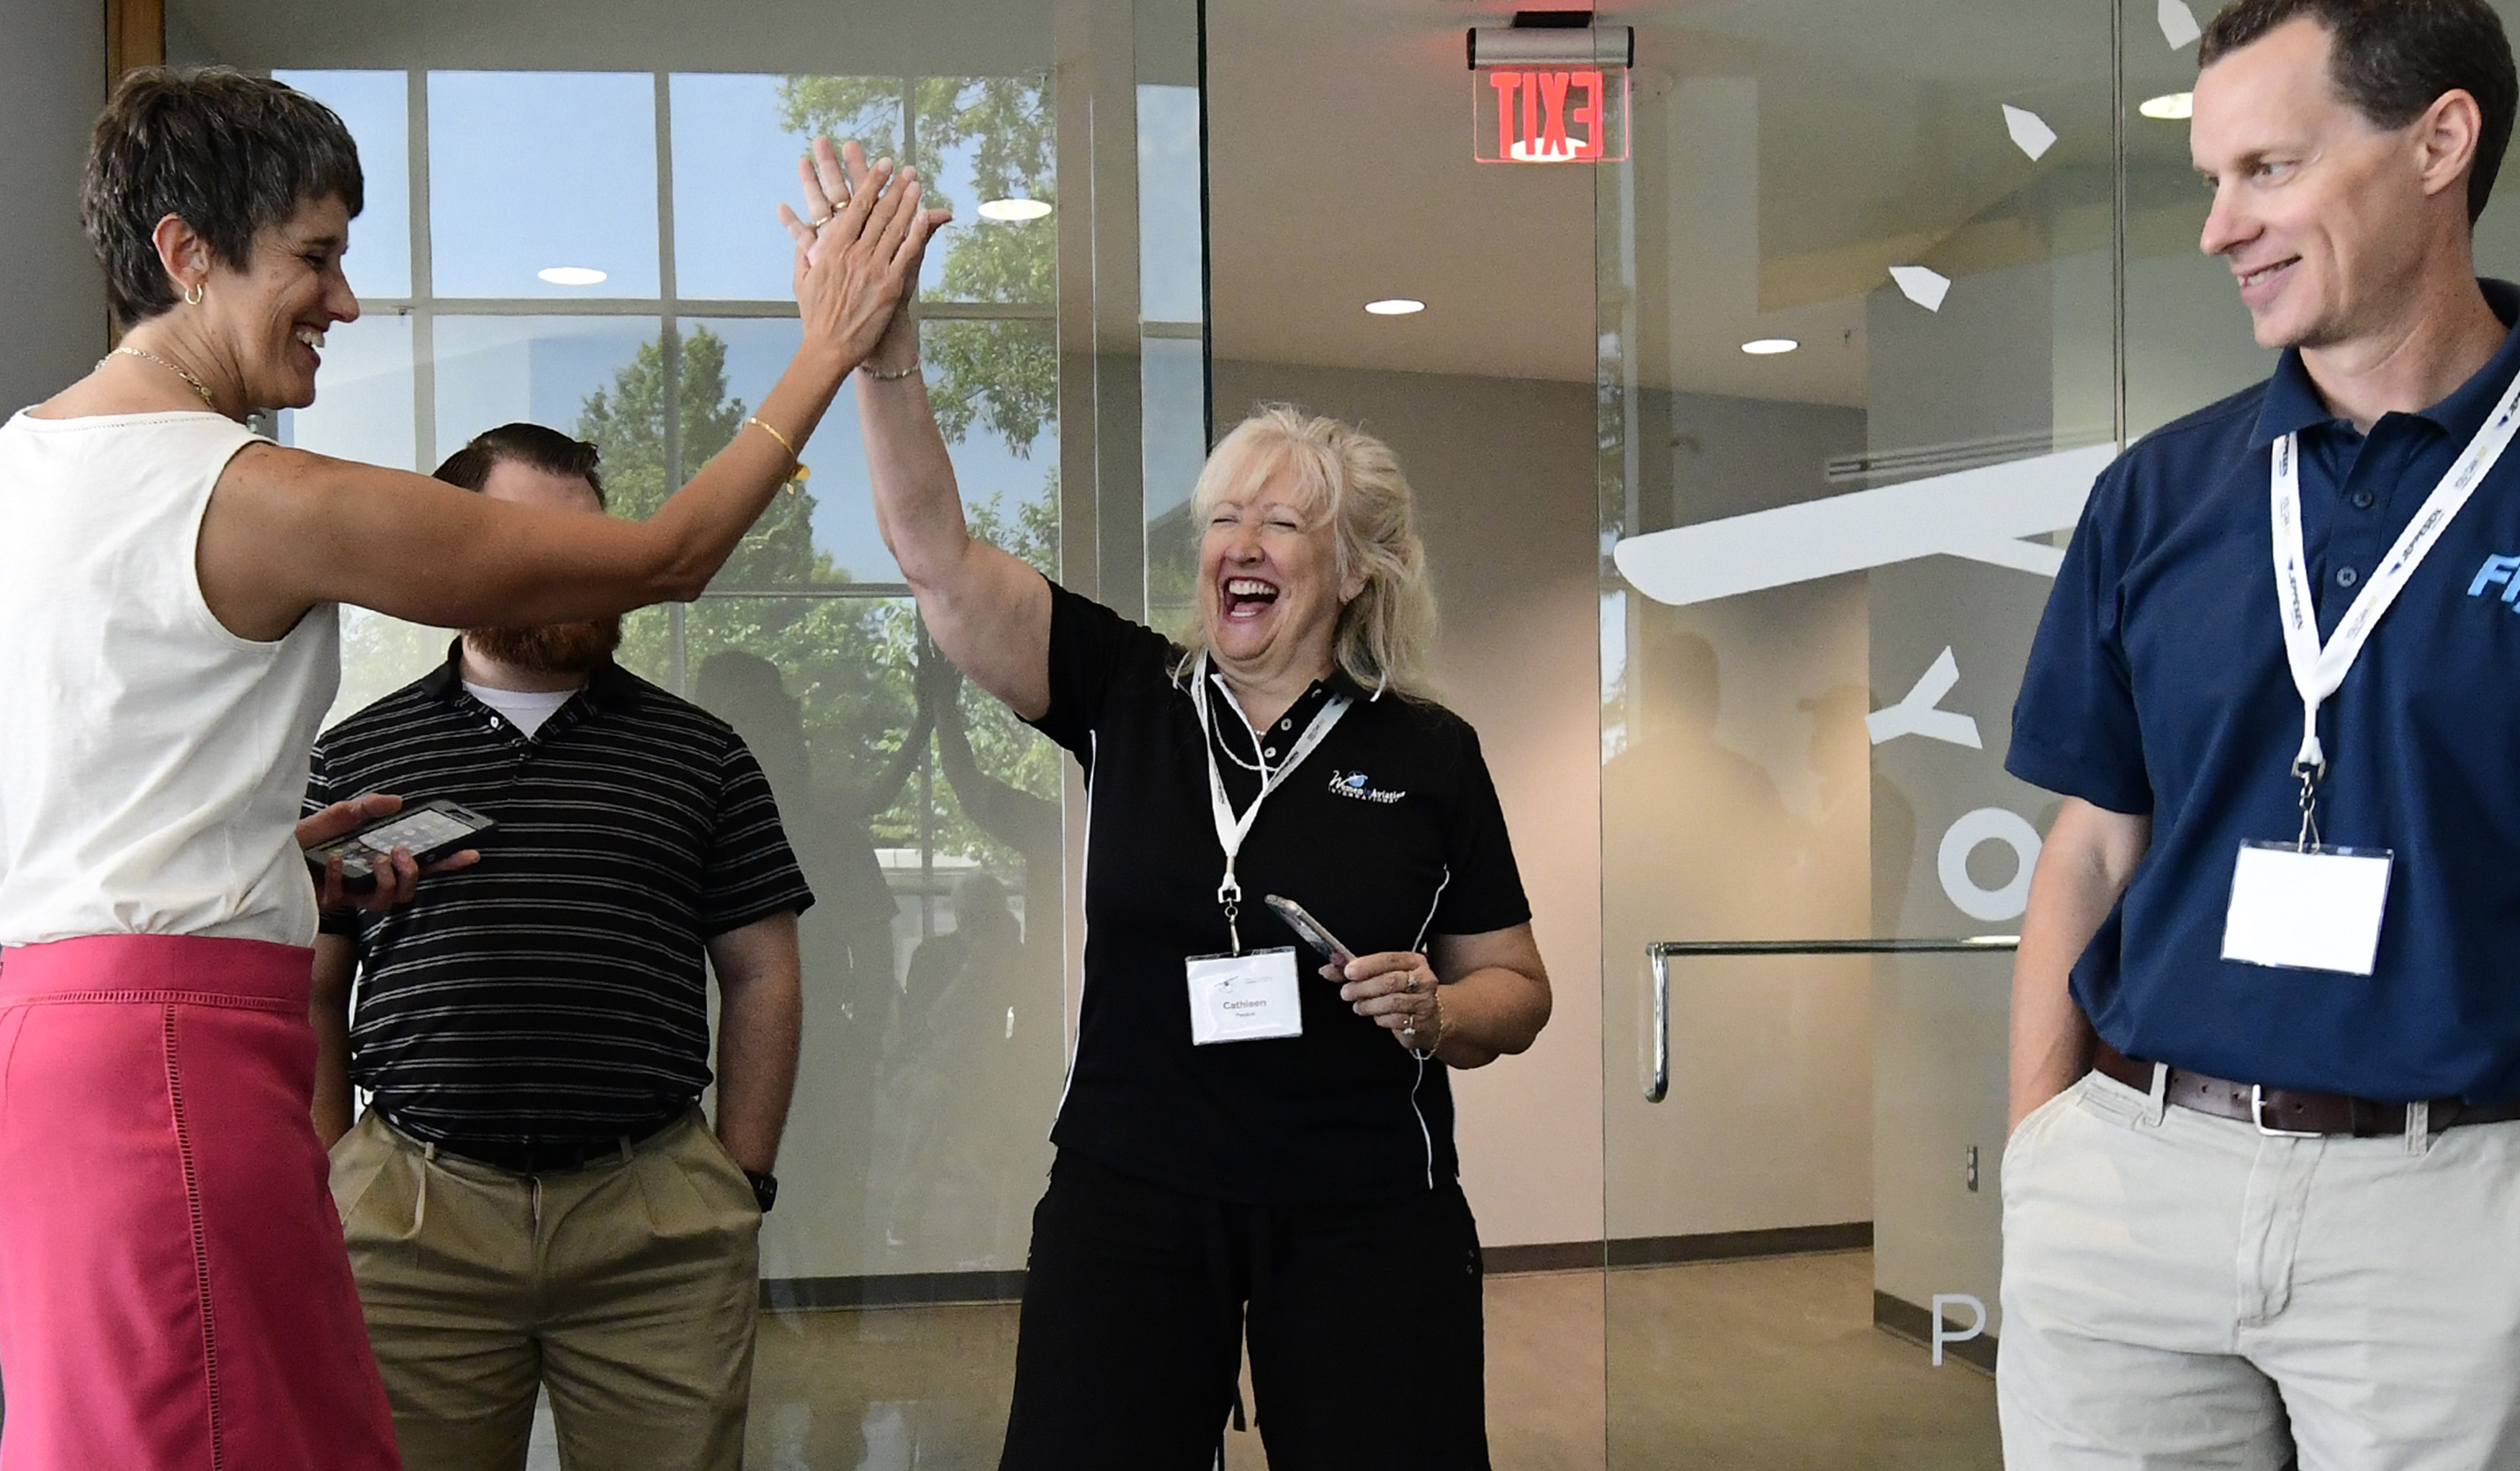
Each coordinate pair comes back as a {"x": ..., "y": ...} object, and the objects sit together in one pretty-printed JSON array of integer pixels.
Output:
[{"x": 1386, "y": 633}]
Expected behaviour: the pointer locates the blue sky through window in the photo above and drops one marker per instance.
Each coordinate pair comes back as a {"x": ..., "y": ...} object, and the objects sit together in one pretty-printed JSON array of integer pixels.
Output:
[
  {"x": 530, "y": 170},
  {"x": 374, "y": 106}
]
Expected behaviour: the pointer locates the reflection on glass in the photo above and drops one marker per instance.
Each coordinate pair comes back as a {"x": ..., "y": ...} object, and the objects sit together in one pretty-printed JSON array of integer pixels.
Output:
[
  {"x": 995, "y": 385},
  {"x": 376, "y": 107},
  {"x": 363, "y": 403},
  {"x": 576, "y": 373},
  {"x": 534, "y": 171},
  {"x": 822, "y": 533},
  {"x": 973, "y": 139},
  {"x": 930, "y": 962}
]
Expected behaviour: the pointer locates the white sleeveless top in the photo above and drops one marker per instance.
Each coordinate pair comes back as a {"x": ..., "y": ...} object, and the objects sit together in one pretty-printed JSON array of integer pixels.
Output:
[{"x": 152, "y": 763}]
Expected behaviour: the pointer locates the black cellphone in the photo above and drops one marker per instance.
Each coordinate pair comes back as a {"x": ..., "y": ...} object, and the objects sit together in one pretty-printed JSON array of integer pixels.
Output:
[
  {"x": 1314, "y": 932},
  {"x": 431, "y": 829}
]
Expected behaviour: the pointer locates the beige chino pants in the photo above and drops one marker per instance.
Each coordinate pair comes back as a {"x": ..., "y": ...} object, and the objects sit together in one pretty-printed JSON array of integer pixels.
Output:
[
  {"x": 628, "y": 1289},
  {"x": 2182, "y": 1292}
]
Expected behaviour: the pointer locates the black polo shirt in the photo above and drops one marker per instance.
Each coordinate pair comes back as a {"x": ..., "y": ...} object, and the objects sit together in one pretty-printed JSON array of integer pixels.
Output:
[
  {"x": 1390, "y": 832},
  {"x": 557, "y": 990}
]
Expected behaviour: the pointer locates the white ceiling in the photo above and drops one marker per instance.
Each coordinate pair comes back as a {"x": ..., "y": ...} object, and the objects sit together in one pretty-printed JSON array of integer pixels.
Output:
[
  {"x": 1788, "y": 153},
  {"x": 1339, "y": 172}
]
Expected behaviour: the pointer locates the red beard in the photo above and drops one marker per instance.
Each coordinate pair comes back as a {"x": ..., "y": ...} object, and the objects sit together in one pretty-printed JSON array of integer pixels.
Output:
[{"x": 552, "y": 647}]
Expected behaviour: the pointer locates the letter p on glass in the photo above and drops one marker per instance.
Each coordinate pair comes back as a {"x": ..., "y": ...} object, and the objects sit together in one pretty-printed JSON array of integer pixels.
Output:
[{"x": 1944, "y": 1332}]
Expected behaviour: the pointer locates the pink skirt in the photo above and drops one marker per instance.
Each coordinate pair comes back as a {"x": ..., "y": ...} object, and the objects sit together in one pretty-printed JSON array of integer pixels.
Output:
[{"x": 173, "y": 1291}]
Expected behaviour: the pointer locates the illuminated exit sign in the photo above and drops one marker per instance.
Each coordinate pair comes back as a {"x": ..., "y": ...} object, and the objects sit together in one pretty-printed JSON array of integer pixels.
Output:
[
  {"x": 1551, "y": 88},
  {"x": 1540, "y": 115}
]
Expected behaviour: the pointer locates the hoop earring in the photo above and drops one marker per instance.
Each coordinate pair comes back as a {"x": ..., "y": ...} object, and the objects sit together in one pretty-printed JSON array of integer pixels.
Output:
[{"x": 195, "y": 294}]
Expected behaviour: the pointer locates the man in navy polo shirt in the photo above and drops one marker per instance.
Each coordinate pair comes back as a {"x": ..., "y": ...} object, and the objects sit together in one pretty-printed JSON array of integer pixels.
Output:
[{"x": 2262, "y": 1197}]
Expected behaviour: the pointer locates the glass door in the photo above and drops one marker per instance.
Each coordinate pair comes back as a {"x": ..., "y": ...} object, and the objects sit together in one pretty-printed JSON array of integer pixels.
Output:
[
  {"x": 1860, "y": 343},
  {"x": 644, "y": 313}
]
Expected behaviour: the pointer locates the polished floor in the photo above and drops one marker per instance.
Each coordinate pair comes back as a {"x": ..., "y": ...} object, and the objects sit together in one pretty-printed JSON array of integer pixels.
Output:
[{"x": 1730, "y": 1365}]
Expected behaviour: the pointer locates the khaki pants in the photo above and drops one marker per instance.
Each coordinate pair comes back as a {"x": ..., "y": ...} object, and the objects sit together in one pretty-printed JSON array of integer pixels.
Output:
[
  {"x": 629, "y": 1289},
  {"x": 2180, "y": 1291}
]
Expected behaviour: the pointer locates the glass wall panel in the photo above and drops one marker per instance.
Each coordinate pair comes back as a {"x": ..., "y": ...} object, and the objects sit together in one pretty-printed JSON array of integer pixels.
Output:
[
  {"x": 1857, "y": 332},
  {"x": 509, "y": 158}
]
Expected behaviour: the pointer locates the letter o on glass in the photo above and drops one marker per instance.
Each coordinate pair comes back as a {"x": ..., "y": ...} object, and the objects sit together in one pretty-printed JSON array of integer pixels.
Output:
[{"x": 1988, "y": 824}]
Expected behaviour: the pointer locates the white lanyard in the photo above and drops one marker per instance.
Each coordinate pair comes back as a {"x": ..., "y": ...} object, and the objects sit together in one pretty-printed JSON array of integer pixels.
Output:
[
  {"x": 1231, "y": 830},
  {"x": 2317, "y": 671}
]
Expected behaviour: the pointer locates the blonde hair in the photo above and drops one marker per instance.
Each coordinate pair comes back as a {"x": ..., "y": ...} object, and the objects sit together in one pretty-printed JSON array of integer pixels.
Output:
[{"x": 1386, "y": 631}]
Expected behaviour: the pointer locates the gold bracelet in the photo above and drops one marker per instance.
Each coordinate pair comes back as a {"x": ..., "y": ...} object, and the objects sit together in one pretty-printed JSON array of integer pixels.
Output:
[
  {"x": 881, "y": 377},
  {"x": 1437, "y": 996},
  {"x": 774, "y": 433},
  {"x": 797, "y": 471}
]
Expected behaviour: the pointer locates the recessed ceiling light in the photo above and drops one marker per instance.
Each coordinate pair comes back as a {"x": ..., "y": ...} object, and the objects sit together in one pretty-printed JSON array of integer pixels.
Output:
[
  {"x": 570, "y": 275},
  {"x": 1770, "y": 346},
  {"x": 2169, "y": 106},
  {"x": 1015, "y": 211},
  {"x": 1395, "y": 306}
]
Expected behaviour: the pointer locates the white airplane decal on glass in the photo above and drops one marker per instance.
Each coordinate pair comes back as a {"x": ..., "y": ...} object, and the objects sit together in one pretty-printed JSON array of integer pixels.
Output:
[{"x": 1978, "y": 513}]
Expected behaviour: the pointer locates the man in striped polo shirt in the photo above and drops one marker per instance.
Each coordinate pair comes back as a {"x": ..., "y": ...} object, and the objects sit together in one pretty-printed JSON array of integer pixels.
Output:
[{"x": 533, "y": 1198}]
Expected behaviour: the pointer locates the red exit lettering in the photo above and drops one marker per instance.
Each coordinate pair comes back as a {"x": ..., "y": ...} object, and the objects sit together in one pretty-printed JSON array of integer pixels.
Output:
[{"x": 1552, "y": 117}]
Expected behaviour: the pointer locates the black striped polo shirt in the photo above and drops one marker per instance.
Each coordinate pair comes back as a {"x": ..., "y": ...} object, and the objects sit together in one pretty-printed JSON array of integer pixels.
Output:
[{"x": 556, "y": 991}]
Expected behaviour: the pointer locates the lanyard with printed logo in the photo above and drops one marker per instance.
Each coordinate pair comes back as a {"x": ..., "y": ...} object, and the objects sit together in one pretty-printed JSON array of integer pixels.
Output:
[
  {"x": 2319, "y": 670},
  {"x": 1231, "y": 830}
]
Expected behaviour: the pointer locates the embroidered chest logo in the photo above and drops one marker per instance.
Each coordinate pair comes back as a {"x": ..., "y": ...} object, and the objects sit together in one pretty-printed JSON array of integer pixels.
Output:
[{"x": 1360, "y": 786}]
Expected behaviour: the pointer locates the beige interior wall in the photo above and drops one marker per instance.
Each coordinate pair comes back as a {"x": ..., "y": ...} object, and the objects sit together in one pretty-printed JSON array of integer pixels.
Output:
[
  {"x": 52, "y": 296},
  {"x": 1503, "y": 474}
]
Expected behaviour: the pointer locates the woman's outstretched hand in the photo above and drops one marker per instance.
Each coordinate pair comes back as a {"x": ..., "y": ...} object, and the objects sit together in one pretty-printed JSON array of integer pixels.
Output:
[{"x": 858, "y": 248}]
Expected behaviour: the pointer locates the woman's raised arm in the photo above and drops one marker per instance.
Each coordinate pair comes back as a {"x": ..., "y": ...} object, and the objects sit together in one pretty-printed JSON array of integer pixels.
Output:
[
  {"x": 987, "y": 610},
  {"x": 286, "y": 530}
]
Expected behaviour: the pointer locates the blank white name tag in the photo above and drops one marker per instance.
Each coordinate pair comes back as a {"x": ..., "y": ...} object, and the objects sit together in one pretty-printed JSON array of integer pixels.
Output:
[
  {"x": 1245, "y": 998},
  {"x": 2313, "y": 909}
]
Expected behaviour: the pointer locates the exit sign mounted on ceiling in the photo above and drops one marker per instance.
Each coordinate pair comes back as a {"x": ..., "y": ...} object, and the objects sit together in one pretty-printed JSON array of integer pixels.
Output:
[
  {"x": 1552, "y": 88},
  {"x": 1544, "y": 116}
]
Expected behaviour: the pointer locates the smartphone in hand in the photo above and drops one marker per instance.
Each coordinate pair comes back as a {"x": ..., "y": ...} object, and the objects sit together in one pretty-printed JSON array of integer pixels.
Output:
[
  {"x": 432, "y": 831},
  {"x": 1315, "y": 933}
]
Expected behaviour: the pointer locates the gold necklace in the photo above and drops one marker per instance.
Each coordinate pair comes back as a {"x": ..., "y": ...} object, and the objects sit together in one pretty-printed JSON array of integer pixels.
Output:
[{"x": 197, "y": 385}]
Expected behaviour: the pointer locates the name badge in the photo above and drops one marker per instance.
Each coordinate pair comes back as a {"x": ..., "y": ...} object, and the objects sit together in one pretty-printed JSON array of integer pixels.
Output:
[
  {"x": 2315, "y": 908},
  {"x": 1245, "y": 998}
]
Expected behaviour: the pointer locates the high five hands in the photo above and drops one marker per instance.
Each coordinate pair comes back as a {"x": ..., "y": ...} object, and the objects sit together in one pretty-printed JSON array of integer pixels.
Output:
[{"x": 858, "y": 245}]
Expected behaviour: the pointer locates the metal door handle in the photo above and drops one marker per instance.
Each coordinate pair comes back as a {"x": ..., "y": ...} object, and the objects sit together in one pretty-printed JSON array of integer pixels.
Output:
[
  {"x": 1659, "y": 1085},
  {"x": 1658, "y": 955}
]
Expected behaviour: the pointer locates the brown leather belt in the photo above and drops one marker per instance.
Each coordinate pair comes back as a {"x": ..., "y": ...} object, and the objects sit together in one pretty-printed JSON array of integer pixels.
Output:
[{"x": 2290, "y": 1111}]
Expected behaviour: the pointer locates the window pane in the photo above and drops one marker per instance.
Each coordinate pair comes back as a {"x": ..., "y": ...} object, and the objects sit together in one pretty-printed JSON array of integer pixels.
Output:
[
  {"x": 363, "y": 404},
  {"x": 729, "y": 366},
  {"x": 376, "y": 107},
  {"x": 1173, "y": 379},
  {"x": 735, "y": 162},
  {"x": 1170, "y": 263},
  {"x": 995, "y": 385},
  {"x": 531, "y": 171},
  {"x": 584, "y": 375}
]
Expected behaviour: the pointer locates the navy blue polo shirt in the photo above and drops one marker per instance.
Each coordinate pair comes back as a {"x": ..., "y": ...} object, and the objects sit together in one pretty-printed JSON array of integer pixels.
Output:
[{"x": 2158, "y": 685}]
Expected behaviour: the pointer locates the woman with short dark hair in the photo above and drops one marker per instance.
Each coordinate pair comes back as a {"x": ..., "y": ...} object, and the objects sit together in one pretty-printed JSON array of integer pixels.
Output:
[{"x": 173, "y": 1288}]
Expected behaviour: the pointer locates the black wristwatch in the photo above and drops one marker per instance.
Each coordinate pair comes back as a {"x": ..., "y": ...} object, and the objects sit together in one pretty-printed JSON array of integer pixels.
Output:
[{"x": 765, "y": 1190}]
